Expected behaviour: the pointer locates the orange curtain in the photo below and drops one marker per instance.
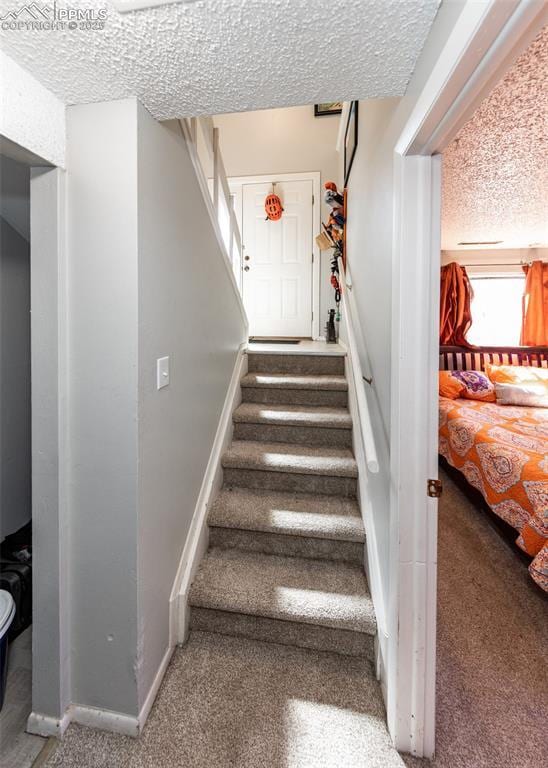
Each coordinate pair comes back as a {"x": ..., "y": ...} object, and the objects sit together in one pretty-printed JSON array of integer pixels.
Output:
[
  {"x": 455, "y": 298},
  {"x": 534, "y": 327}
]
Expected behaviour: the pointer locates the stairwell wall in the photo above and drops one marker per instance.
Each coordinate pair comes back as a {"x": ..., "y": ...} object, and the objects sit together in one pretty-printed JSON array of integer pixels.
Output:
[
  {"x": 146, "y": 280},
  {"x": 370, "y": 251},
  {"x": 188, "y": 310}
]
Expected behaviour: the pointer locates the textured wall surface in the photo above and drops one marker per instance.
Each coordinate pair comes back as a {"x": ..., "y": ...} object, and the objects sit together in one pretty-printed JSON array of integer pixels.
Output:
[
  {"x": 495, "y": 173},
  {"x": 30, "y": 115},
  {"x": 216, "y": 56}
]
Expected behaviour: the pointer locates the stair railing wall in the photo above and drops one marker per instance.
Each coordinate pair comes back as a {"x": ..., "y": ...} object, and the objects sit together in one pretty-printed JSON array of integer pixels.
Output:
[
  {"x": 372, "y": 474},
  {"x": 351, "y": 322},
  {"x": 203, "y": 134}
]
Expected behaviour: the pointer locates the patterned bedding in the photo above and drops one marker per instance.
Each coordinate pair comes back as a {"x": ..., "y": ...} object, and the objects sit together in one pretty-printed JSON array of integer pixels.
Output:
[{"x": 502, "y": 451}]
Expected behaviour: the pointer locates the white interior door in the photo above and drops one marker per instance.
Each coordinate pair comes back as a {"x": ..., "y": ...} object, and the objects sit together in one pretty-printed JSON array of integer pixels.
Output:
[{"x": 277, "y": 282}]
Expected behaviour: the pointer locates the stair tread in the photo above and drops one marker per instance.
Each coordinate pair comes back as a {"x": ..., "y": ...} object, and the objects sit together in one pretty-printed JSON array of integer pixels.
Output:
[
  {"x": 294, "y": 381},
  {"x": 287, "y": 588},
  {"x": 290, "y": 514},
  {"x": 293, "y": 415},
  {"x": 288, "y": 457}
]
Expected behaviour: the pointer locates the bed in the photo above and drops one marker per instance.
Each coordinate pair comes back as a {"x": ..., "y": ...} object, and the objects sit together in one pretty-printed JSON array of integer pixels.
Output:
[{"x": 502, "y": 450}]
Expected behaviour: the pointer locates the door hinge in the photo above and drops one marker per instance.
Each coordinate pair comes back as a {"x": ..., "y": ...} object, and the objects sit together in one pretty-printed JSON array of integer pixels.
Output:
[
  {"x": 312, "y": 258},
  {"x": 435, "y": 488},
  {"x": 313, "y": 199}
]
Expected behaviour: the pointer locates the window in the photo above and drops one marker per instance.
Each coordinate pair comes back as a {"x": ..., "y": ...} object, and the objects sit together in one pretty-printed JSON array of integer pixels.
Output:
[{"x": 496, "y": 310}]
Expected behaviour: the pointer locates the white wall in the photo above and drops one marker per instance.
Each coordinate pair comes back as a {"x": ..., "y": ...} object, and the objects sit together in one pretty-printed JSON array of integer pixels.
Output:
[
  {"x": 371, "y": 241},
  {"x": 30, "y": 115},
  {"x": 188, "y": 309},
  {"x": 147, "y": 279},
  {"x": 284, "y": 141},
  {"x": 15, "y": 407}
]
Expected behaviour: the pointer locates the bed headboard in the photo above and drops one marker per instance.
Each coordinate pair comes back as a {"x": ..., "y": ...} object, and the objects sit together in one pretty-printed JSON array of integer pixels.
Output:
[{"x": 464, "y": 359}]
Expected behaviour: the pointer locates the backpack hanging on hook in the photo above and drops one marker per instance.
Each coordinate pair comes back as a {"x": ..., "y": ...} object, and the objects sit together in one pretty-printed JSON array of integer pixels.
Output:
[{"x": 273, "y": 206}]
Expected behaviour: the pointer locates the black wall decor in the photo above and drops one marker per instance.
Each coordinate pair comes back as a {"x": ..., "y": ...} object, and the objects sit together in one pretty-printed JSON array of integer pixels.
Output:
[{"x": 350, "y": 140}]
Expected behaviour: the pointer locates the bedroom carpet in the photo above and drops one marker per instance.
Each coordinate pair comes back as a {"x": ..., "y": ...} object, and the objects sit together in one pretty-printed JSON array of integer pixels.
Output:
[
  {"x": 492, "y": 687},
  {"x": 233, "y": 703}
]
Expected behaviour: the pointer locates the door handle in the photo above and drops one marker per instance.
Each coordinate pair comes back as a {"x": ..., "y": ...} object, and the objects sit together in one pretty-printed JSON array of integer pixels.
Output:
[
  {"x": 246, "y": 258},
  {"x": 246, "y": 268}
]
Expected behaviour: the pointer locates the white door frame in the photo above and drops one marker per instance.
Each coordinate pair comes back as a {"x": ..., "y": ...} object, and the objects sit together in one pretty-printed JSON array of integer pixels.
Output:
[
  {"x": 485, "y": 40},
  {"x": 236, "y": 183}
]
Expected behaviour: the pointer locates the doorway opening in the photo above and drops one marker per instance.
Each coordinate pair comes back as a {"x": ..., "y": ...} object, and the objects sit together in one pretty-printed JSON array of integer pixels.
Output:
[
  {"x": 16, "y": 541},
  {"x": 492, "y": 430},
  {"x": 282, "y": 274}
]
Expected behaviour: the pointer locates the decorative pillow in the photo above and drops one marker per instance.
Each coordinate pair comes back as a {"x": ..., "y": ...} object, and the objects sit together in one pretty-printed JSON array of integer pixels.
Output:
[
  {"x": 515, "y": 374},
  {"x": 449, "y": 386},
  {"x": 533, "y": 394},
  {"x": 477, "y": 385}
]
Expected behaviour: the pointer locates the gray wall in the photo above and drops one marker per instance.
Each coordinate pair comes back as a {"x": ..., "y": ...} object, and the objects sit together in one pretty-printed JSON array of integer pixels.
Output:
[
  {"x": 102, "y": 251},
  {"x": 146, "y": 280},
  {"x": 187, "y": 310},
  {"x": 51, "y": 639},
  {"x": 15, "y": 406}
]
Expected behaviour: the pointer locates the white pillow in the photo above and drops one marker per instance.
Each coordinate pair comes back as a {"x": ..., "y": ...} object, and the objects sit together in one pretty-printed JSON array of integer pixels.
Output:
[{"x": 530, "y": 393}]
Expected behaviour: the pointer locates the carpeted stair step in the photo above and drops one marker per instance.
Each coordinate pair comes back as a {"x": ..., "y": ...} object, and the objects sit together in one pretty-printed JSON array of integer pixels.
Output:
[
  {"x": 287, "y": 388},
  {"x": 293, "y": 424},
  {"x": 289, "y": 600},
  {"x": 290, "y": 524},
  {"x": 289, "y": 467},
  {"x": 295, "y": 363}
]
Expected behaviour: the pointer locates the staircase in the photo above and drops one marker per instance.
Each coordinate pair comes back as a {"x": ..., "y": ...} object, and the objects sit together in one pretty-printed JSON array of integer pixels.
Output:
[{"x": 285, "y": 562}]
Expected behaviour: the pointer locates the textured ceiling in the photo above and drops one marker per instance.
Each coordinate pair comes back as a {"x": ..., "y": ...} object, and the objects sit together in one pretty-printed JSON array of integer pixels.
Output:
[
  {"x": 214, "y": 56},
  {"x": 495, "y": 174}
]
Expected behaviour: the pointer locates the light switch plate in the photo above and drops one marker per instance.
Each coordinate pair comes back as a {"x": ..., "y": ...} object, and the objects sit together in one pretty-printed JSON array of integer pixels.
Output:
[{"x": 162, "y": 372}]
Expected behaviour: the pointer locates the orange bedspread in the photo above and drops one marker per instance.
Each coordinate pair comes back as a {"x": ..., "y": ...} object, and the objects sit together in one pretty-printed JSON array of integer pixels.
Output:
[{"x": 502, "y": 451}]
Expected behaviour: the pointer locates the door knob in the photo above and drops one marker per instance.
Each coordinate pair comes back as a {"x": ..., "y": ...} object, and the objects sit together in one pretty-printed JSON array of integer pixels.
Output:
[
  {"x": 246, "y": 258},
  {"x": 246, "y": 268}
]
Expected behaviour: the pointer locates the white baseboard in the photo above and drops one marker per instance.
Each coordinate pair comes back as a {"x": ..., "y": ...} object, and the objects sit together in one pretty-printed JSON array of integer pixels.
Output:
[
  {"x": 104, "y": 720},
  {"x": 155, "y": 687},
  {"x": 101, "y": 719},
  {"x": 197, "y": 539},
  {"x": 44, "y": 725}
]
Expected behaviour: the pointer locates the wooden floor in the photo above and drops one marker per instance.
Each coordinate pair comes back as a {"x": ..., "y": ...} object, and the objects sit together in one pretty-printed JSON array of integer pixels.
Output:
[{"x": 17, "y": 748}]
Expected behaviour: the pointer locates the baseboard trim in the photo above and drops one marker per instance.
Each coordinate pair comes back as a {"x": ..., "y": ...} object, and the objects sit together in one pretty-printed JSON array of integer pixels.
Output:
[
  {"x": 104, "y": 720},
  {"x": 44, "y": 725},
  {"x": 155, "y": 687},
  {"x": 197, "y": 539},
  {"x": 92, "y": 717}
]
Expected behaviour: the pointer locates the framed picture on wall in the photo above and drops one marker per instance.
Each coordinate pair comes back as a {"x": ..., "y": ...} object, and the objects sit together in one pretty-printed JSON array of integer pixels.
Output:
[
  {"x": 350, "y": 140},
  {"x": 328, "y": 108}
]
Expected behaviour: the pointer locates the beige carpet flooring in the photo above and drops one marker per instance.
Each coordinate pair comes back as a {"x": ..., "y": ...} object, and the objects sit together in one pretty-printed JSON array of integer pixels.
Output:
[
  {"x": 230, "y": 702},
  {"x": 492, "y": 687},
  {"x": 227, "y": 702}
]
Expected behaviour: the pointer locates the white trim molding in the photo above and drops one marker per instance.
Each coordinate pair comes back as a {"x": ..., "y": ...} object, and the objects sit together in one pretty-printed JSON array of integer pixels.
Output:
[
  {"x": 156, "y": 683},
  {"x": 236, "y": 183},
  {"x": 197, "y": 539},
  {"x": 44, "y": 725}
]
